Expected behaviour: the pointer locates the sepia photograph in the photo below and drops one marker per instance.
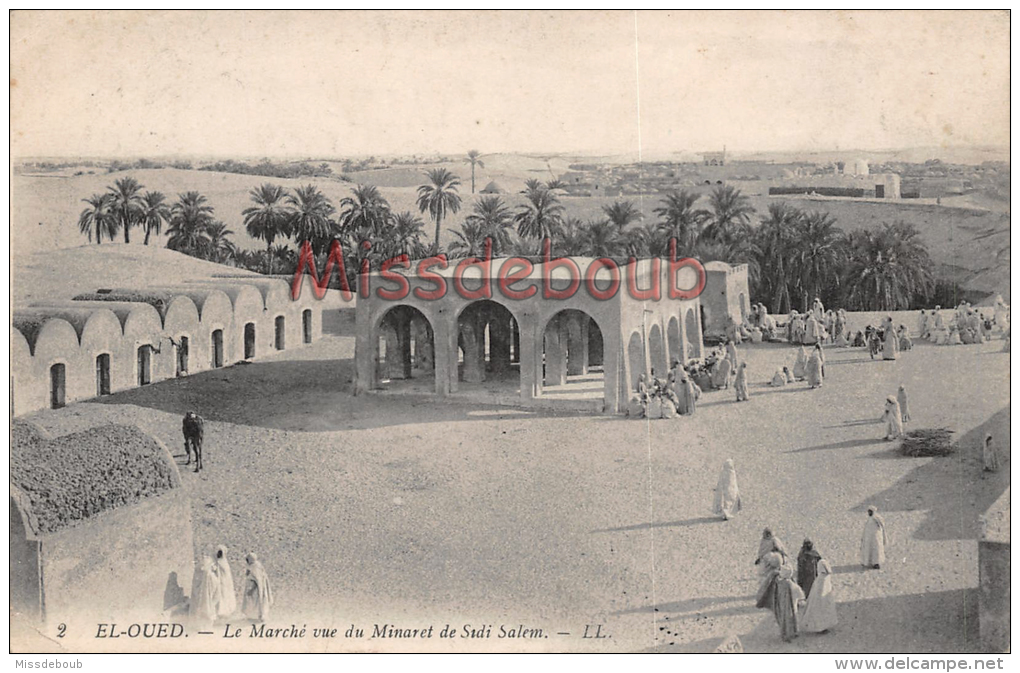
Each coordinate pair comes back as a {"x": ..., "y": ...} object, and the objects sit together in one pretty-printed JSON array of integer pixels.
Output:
[{"x": 510, "y": 332}]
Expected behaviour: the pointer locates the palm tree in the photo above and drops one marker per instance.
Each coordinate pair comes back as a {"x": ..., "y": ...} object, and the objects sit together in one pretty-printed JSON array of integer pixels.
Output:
[
  {"x": 604, "y": 238},
  {"x": 190, "y": 218},
  {"x": 540, "y": 216},
  {"x": 680, "y": 219},
  {"x": 365, "y": 215},
  {"x": 285, "y": 255},
  {"x": 312, "y": 218},
  {"x": 622, "y": 213},
  {"x": 469, "y": 240},
  {"x": 98, "y": 217},
  {"x": 555, "y": 183},
  {"x": 439, "y": 198},
  {"x": 886, "y": 268},
  {"x": 491, "y": 215},
  {"x": 775, "y": 239},
  {"x": 570, "y": 238},
  {"x": 218, "y": 246},
  {"x": 817, "y": 254},
  {"x": 406, "y": 236},
  {"x": 731, "y": 213},
  {"x": 472, "y": 157},
  {"x": 269, "y": 218},
  {"x": 740, "y": 250},
  {"x": 126, "y": 205},
  {"x": 532, "y": 185},
  {"x": 154, "y": 213}
]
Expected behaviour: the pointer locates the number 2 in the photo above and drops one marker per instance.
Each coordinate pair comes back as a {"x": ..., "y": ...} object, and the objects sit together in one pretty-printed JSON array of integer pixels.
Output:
[{"x": 61, "y": 630}]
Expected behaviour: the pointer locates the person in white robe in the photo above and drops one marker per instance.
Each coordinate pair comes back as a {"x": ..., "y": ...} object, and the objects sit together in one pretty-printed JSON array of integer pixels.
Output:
[
  {"x": 812, "y": 330},
  {"x": 901, "y": 399},
  {"x": 227, "y": 602},
  {"x": 922, "y": 325},
  {"x": 893, "y": 419},
  {"x": 721, "y": 375},
  {"x": 727, "y": 494},
  {"x": 258, "y": 594},
  {"x": 740, "y": 383},
  {"x": 989, "y": 455},
  {"x": 731, "y": 354},
  {"x": 800, "y": 366},
  {"x": 778, "y": 379},
  {"x": 874, "y": 540},
  {"x": 206, "y": 593},
  {"x": 891, "y": 343},
  {"x": 814, "y": 369},
  {"x": 820, "y": 613}
]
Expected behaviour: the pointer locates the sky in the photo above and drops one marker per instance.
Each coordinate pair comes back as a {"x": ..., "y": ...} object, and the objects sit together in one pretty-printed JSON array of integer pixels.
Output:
[{"x": 318, "y": 84}]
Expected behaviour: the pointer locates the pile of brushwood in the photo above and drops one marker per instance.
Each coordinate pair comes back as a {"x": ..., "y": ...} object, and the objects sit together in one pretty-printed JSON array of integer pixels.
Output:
[{"x": 927, "y": 442}]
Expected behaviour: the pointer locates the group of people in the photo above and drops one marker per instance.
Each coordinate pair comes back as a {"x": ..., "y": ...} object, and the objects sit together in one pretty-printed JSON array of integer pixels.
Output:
[
  {"x": 676, "y": 395},
  {"x": 806, "y": 604},
  {"x": 816, "y": 326},
  {"x": 966, "y": 325},
  {"x": 213, "y": 596},
  {"x": 806, "y": 367},
  {"x": 897, "y": 412}
]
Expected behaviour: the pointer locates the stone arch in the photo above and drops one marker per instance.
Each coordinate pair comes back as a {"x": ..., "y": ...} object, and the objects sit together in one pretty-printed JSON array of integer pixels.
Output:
[
  {"x": 403, "y": 340},
  {"x": 657, "y": 351},
  {"x": 635, "y": 359},
  {"x": 693, "y": 333},
  {"x": 485, "y": 334},
  {"x": 566, "y": 340},
  {"x": 674, "y": 341}
]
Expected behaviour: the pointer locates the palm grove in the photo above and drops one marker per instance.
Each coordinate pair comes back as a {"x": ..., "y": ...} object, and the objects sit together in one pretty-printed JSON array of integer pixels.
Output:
[{"x": 792, "y": 255}]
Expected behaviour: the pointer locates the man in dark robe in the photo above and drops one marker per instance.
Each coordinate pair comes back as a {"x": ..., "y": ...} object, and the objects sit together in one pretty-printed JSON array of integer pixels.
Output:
[{"x": 807, "y": 566}]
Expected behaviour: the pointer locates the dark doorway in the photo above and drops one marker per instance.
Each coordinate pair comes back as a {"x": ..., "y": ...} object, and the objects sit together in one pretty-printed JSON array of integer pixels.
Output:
[
  {"x": 103, "y": 374},
  {"x": 249, "y": 341},
  {"x": 144, "y": 365},
  {"x": 281, "y": 332},
  {"x": 57, "y": 383},
  {"x": 217, "y": 348},
  {"x": 306, "y": 325},
  {"x": 182, "y": 357},
  {"x": 880, "y": 191}
]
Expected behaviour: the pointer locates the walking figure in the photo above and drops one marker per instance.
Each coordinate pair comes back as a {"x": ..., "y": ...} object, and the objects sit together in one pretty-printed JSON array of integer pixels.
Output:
[{"x": 193, "y": 428}]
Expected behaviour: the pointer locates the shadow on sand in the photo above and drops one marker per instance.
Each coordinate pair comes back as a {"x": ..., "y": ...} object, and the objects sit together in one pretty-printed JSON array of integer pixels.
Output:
[
  {"x": 666, "y": 524},
  {"x": 314, "y": 395},
  {"x": 845, "y": 444},
  {"x": 953, "y": 489},
  {"x": 888, "y": 625}
]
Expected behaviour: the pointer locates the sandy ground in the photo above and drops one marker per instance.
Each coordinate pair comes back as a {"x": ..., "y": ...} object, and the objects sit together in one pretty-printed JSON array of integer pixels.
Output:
[{"x": 412, "y": 512}]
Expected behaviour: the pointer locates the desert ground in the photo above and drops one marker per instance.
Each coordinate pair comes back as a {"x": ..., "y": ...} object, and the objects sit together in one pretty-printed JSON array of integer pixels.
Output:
[{"x": 412, "y": 511}]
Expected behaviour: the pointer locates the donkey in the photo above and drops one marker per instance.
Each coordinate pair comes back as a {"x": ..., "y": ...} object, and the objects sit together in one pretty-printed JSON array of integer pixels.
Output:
[{"x": 193, "y": 428}]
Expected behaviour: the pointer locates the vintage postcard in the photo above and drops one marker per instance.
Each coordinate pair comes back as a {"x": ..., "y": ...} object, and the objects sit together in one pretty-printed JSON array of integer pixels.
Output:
[{"x": 516, "y": 331}]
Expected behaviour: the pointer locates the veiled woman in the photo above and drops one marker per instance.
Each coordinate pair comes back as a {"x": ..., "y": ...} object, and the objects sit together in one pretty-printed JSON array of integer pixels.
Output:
[
  {"x": 686, "y": 395},
  {"x": 800, "y": 366},
  {"x": 786, "y": 604},
  {"x": 227, "y": 600},
  {"x": 206, "y": 593},
  {"x": 727, "y": 494},
  {"x": 820, "y": 613},
  {"x": 893, "y": 418},
  {"x": 769, "y": 568},
  {"x": 740, "y": 383},
  {"x": 731, "y": 353},
  {"x": 721, "y": 374},
  {"x": 258, "y": 595},
  {"x": 891, "y": 342},
  {"x": 814, "y": 368}
]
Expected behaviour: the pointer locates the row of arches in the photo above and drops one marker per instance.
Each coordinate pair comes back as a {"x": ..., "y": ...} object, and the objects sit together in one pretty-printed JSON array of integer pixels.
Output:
[
  {"x": 119, "y": 339},
  {"x": 488, "y": 348},
  {"x": 681, "y": 341}
]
